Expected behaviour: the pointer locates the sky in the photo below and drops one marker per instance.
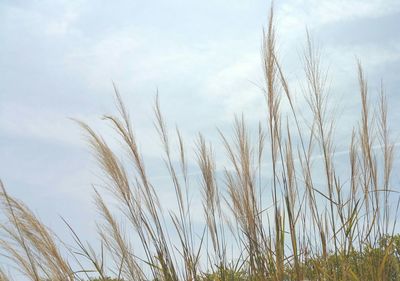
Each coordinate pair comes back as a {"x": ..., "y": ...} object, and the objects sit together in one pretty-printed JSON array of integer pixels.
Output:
[{"x": 58, "y": 60}]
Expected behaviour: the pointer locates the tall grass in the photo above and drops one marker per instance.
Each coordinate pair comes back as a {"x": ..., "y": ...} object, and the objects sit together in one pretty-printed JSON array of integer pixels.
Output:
[{"x": 342, "y": 229}]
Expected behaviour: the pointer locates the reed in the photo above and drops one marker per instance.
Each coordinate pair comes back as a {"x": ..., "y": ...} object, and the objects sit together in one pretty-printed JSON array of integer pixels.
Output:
[{"x": 342, "y": 229}]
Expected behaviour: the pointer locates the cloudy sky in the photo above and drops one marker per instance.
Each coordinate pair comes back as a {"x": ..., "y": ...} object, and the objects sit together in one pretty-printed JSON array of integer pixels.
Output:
[{"x": 58, "y": 60}]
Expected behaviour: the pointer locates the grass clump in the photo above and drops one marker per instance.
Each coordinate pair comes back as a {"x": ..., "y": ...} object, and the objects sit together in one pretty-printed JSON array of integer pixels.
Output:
[{"x": 342, "y": 229}]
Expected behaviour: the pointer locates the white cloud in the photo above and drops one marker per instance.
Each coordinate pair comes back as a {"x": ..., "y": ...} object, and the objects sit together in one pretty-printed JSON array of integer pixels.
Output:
[
  {"x": 63, "y": 23},
  {"x": 294, "y": 16},
  {"x": 21, "y": 121},
  {"x": 236, "y": 87},
  {"x": 317, "y": 12}
]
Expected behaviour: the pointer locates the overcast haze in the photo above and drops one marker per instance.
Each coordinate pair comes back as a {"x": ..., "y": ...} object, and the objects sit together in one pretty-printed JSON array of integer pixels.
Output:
[{"x": 58, "y": 60}]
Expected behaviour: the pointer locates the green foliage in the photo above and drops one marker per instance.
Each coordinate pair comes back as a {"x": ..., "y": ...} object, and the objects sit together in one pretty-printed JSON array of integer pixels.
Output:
[
  {"x": 225, "y": 275},
  {"x": 373, "y": 263},
  {"x": 381, "y": 262}
]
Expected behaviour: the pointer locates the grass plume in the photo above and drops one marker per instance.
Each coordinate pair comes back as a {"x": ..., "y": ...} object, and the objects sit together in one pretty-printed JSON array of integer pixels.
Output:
[{"x": 341, "y": 229}]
